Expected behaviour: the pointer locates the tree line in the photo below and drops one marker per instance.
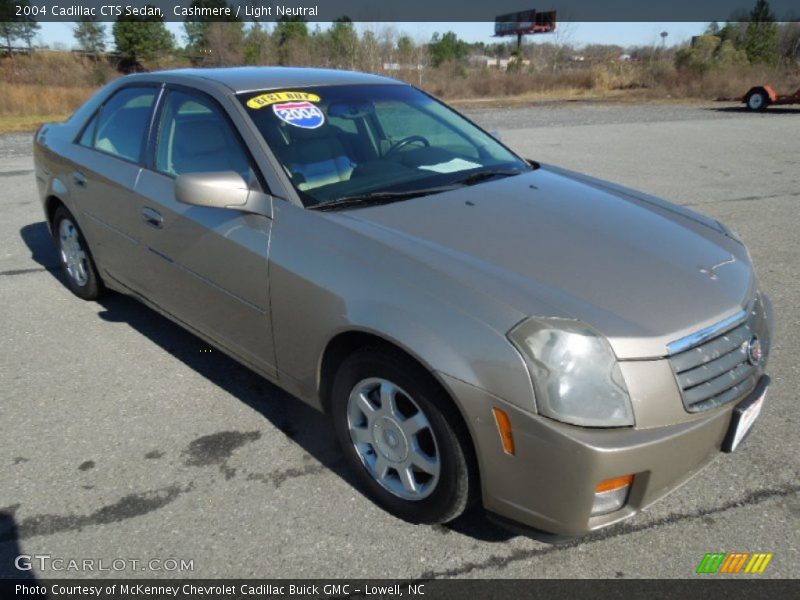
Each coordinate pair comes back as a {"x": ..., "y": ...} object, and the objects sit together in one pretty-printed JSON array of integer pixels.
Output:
[
  {"x": 754, "y": 37},
  {"x": 14, "y": 28}
]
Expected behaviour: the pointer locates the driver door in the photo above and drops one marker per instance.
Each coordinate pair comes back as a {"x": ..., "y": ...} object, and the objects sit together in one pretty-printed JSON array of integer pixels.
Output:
[{"x": 206, "y": 266}]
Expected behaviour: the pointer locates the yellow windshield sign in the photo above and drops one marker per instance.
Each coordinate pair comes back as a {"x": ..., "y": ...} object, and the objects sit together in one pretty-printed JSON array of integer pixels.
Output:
[{"x": 274, "y": 97}]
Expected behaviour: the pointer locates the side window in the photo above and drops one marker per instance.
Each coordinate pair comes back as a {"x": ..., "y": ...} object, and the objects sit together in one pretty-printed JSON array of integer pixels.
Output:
[
  {"x": 87, "y": 137},
  {"x": 195, "y": 137},
  {"x": 122, "y": 123}
]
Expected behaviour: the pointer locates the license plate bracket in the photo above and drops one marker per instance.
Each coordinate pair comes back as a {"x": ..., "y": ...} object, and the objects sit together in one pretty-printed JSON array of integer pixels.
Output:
[{"x": 743, "y": 417}]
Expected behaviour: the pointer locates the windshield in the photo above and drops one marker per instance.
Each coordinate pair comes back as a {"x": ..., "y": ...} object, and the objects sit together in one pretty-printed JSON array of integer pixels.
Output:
[{"x": 349, "y": 141}]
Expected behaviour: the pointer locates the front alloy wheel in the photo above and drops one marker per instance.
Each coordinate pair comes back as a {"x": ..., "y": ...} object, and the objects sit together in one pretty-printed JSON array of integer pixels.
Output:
[
  {"x": 403, "y": 436},
  {"x": 393, "y": 438}
]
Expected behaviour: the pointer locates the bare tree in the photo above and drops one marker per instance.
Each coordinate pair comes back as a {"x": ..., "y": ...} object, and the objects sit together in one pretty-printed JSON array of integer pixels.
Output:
[
  {"x": 259, "y": 46},
  {"x": 562, "y": 48},
  {"x": 225, "y": 41},
  {"x": 90, "y": 35}
]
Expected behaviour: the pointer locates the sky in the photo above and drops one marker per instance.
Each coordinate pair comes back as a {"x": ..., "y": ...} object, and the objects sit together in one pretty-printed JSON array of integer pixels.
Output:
[{"x": 578, "y": 34}]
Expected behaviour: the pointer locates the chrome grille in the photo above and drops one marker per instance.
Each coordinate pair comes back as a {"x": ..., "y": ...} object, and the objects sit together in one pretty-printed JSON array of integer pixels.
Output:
[{"x": 712, "y": 366}]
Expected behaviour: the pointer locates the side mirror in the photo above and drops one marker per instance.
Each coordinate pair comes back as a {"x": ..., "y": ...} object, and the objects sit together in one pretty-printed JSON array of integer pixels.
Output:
[{"x": 222, "y": 189}]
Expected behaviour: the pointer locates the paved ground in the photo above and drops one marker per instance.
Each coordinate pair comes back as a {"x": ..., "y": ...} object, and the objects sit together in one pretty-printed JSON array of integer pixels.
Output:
[{"x": 120, "y": 439}]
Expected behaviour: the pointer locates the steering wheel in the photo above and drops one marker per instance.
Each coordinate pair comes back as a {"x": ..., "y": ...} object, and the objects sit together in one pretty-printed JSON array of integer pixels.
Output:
[{"x": 412, "y": 139}]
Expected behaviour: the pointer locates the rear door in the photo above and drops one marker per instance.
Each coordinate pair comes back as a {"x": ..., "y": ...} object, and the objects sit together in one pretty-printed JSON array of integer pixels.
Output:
[
  {"x": 108, "y": 158},
  {"x": 206, "y": 266}
]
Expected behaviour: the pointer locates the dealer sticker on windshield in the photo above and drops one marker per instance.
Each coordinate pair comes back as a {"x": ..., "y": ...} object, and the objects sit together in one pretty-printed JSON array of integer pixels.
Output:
[
  {"x": 299, "y": 114},
  {"x": 275, "y": 97}
]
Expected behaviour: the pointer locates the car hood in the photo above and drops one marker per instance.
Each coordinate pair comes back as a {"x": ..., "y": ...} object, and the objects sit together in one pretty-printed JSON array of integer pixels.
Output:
[{"x": 641, "y": 271}]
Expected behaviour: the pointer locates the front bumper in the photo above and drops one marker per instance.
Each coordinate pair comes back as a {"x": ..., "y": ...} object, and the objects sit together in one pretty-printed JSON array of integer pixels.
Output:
[{"x": 549, "y": 483}]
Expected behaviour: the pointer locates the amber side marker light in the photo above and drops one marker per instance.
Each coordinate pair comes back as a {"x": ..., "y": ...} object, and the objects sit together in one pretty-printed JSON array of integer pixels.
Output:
[
  {"x": 614, "y": 483},
  {"x": 504, "y": 428}
]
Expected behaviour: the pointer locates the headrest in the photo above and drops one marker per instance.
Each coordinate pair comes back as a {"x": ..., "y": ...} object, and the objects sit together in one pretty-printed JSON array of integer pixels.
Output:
[{"x": 199, "y": 137}]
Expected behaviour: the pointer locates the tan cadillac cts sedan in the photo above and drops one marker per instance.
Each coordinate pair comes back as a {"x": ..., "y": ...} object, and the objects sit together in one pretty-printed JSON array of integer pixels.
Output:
[{"x": 479, "y": 327}]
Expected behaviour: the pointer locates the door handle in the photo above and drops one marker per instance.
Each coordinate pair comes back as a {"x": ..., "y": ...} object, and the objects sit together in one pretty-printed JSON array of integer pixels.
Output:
[
  {"x": 79, "y": 178},
  {"x": 152, "y": 218}
]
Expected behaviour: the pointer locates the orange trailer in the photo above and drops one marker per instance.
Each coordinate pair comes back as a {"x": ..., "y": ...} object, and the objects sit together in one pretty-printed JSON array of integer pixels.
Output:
[{"x": 761, "y": 96}]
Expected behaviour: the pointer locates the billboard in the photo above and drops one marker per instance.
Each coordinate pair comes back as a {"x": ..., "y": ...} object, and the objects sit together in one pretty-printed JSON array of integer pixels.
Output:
[{"x": 525, "y": 22}]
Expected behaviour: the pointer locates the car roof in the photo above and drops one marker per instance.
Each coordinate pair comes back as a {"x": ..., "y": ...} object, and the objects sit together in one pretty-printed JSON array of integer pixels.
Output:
[{"x": 245, "y": 79}]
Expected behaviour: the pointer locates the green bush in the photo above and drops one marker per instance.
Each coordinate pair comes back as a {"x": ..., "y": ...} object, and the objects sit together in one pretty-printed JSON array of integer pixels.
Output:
[{"x": 709, "y": 52}]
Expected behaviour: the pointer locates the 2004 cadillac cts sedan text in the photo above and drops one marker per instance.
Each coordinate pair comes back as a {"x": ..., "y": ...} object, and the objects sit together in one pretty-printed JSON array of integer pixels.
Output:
[{"x": 478, "y": 326}]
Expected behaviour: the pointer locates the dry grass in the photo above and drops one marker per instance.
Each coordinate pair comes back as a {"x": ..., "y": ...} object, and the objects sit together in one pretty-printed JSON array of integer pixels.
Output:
[
  {"x": 639, "y": 81},
  {"x": 725, "y": 83},
  {"x": 62, "y": 69},
  {"x": 48, "y": 85},
  {"x": 26, "y": 100},
  {"x": 452, "y": 82},
  {"x": 15, "y": 123}
]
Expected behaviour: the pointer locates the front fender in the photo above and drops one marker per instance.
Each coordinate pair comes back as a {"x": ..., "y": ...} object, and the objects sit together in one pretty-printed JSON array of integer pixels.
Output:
[
  {"x": 326, "y": 280},
  {"x": 446, "y": 342}
]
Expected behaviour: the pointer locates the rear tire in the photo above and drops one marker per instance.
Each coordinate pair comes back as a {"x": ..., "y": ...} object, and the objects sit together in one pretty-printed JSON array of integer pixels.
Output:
[
  {"x": 75, "y": 257},
  {"x": 757, "y": 100},
  {"x": 403, "y": 437}
]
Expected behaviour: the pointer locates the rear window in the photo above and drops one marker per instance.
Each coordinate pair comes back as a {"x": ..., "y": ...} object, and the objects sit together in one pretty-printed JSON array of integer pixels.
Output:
[{"x": 122, "y": 123}]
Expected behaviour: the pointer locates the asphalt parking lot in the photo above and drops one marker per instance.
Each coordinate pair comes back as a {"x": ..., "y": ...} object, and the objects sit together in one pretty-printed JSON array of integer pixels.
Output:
[{"x": 123, "y": 437}]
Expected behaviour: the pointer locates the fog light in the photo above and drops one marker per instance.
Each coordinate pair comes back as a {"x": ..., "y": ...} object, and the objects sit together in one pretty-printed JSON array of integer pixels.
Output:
[{"x": 611, "y": 495}]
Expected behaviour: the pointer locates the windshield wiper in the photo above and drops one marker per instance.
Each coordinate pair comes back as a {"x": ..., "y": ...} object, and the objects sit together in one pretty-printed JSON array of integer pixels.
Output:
[
  {"x": 487, "y": 174},
  {"x": 375, "y": 198}
]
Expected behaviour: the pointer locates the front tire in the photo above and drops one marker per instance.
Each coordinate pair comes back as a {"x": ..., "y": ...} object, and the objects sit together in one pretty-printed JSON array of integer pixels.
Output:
[
  {"x": 403, "y": 436},
  {"x": 76, "y": 260}
]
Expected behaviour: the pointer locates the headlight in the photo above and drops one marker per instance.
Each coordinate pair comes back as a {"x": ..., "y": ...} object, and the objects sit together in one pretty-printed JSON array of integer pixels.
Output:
[{"x": 575, "y": 373}]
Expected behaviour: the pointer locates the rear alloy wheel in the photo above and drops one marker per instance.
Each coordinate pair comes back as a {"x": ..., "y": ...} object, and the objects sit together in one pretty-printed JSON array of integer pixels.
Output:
[
  {"x": 757, "y": 100},
  {"x": 403, "y": 436},
  {"x": 76, "y": 260}
]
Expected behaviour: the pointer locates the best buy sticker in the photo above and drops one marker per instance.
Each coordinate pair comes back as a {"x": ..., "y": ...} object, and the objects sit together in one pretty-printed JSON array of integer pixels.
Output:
[
  {"x": 299, "y": 114},
  {"x": 275, "y": 97}
]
